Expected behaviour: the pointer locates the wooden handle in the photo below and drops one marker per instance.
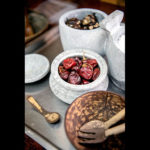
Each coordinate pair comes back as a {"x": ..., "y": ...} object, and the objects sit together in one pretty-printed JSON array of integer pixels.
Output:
[
  {"x": 115, "y": 130},
  {"x": 35, "y": 104},
  {"x": 115, "y": 119}
]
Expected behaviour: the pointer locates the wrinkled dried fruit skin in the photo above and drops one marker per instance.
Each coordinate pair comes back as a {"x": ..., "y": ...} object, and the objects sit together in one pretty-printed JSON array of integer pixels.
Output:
[
  {"x": 92, "y": 62},
  {"x": 74, "y": 78},
  {"x": 75, "y": 68},
  {"x": 78, "y": 70},
  {"x": 78, "y": 65},
  {"x": 68, "y": 63},
  {"x": 96, "y": 73},
  {"x": 64, "y": 75},
  {"x": 85, "y": 81},
  {"x": 89, "y": 22},
  {"x": 63, "y": 72},
  {"x": 79, "y": 62},
  {"x": 74, "y": 23},
  {"x": 86, "y": 71}
]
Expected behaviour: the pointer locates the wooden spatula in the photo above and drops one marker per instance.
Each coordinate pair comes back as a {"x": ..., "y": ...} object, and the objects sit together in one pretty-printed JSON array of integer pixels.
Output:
[{"x": 97, "y": 131}]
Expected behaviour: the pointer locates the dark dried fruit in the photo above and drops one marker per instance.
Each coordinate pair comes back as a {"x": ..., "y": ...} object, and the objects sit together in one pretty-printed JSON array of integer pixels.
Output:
[
  {"x": 79, "y": 62},
  {"x": 89, "y": 22},
  {"x": 79, "y": 70},
  {"x": 64, "y": 75},
  {"x": 63, "y": 72},
  {"x": 75, "y": 68},
  {"x": 96, "y": 73},
  {"x": 85, "y": 81},
  {"x": 74, "y": 78},
  {"x": 68, "y": 63},
  {"x": 86, "y": 71},
  {"x": 92, "y": 62},
  {"x": 72, "y": 21},
  {"x": 78, "y": 65}
]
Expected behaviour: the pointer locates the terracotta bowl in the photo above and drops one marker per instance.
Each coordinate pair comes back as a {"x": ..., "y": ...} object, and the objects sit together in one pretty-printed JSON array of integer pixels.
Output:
[{"x": 101, "y": 105}]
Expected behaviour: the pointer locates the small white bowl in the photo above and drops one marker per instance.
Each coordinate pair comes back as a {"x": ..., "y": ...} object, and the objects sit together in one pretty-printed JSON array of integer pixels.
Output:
[
  {"x": 68, "y": 92},
  {"x": 36, "y": 67}
]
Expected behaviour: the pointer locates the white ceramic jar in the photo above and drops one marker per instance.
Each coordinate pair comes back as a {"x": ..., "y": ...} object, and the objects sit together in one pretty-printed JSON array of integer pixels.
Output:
[
  {"x": 115, "y": 55},
  {"x": 83, "y": 39},
  {"x": 68, "y": 92}
]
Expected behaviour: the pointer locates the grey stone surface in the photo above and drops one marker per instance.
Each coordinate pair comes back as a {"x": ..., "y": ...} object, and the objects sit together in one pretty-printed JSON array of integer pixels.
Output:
[
  {"x": 36, "y": 67},
  {"x": 83, "y": 39},
  {"x": 68, "y": 92}
]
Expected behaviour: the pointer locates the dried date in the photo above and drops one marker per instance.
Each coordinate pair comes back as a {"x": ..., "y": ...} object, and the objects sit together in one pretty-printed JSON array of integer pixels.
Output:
[
  {"x": 68, "y": 63},
  {"x": 86, "y": 71},
  {"x": 96, "y": 73},
  {"x": 63, "y": 73},
  {"x": 74, "y": 78},
  {"x": 79, "y": 70}
]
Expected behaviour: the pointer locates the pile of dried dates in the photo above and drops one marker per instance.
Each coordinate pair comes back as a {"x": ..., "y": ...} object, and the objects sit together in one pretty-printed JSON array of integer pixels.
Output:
[
  {"x": 79, "y": 70},
  {"x": 88, "y": 23}
]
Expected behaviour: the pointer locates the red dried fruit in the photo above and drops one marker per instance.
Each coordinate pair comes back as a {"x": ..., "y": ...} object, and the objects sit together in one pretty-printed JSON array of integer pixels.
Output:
[
  {"x": 75, "y": 68},
  {"x": 83, "y": 70},
  {"x": 92, "y": 62},
  {"x": 79, "y": 62},
  {"x": 64, "y": 75},
  {"x": 86, "y": 71},
  {"x": 96, "y": 73},
  {"x": 63, "y": 72},
  {"x": 74, "y": 78},
  {"x": 85, "y": 81},
  {"x": 68, "y": 63}
]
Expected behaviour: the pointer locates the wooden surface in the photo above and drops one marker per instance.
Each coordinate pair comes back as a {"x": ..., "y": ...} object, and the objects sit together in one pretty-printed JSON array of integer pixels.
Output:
[{"x": 30, "y": 144}]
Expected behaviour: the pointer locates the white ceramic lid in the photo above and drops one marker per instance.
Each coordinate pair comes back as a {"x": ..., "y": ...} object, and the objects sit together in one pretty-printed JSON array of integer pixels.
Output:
[{"x": 36, "y": 67}]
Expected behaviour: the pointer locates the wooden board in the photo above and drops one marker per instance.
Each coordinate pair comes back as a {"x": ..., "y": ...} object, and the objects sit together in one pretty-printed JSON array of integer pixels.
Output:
[{"x": 53, "y": 9}]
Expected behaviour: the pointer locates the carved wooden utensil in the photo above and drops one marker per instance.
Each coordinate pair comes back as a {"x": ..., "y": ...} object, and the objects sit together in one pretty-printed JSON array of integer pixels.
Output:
[
  {"x": 97, "y": 131},
  {"x": 51, "y": 117}
]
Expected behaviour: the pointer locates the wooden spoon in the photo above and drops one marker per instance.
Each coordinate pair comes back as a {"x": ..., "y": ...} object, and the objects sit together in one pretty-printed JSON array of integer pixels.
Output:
[
  {"x": 97, "y": 131},
  {"x": 51, "y": 117}
]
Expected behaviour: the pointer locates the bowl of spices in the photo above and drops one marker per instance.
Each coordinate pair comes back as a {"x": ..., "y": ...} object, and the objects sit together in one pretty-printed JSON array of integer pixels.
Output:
[
  {"x": 80, "y": 28},
  {"x": 76, "y": 72}
]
